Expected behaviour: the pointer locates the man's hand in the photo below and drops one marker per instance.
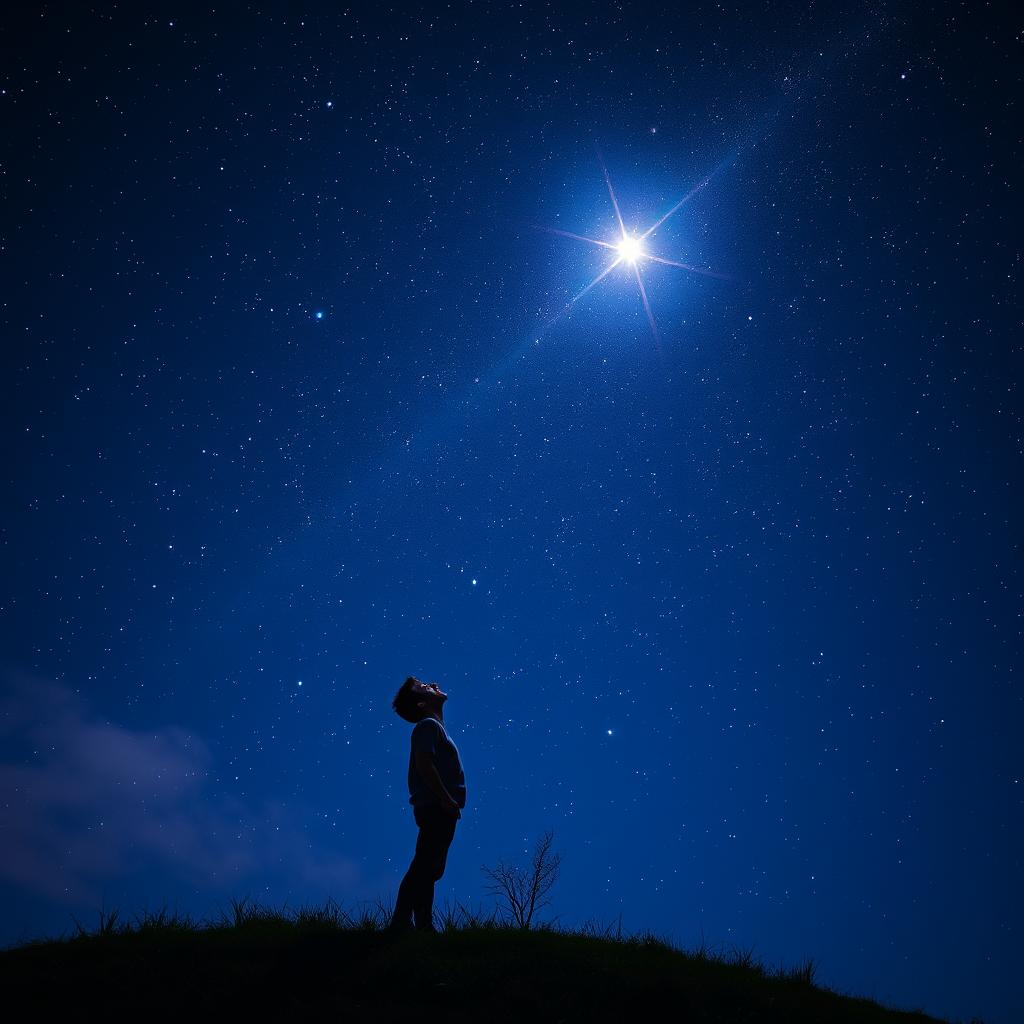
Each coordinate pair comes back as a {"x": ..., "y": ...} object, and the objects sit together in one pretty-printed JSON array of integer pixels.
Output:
[{"x": 428, "y": 770}]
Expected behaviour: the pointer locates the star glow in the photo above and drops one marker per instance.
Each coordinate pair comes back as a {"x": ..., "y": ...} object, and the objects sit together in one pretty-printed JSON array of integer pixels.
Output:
[{"x": 629, "y": 250}]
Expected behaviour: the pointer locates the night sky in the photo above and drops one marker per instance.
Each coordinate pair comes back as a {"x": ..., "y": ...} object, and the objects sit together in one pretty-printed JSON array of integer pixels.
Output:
[{"x": 297, "y": 401}]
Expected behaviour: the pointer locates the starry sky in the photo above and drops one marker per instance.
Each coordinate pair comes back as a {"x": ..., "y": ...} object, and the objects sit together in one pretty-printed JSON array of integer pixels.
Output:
[{"x": 301, "y": 396}]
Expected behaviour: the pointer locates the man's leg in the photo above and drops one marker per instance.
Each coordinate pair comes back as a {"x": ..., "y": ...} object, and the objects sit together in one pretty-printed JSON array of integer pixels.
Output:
[
  {"x": 416, "y": 893},
  {"x": 437, "y": 830},
  {"x": 402, "y": 916}
]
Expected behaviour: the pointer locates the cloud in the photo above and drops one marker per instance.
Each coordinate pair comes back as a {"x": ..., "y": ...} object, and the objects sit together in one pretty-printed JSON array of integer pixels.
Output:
[{"x": 85, "y": 801}]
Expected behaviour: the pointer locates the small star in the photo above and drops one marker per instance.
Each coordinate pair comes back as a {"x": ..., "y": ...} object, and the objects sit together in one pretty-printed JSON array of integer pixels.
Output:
[{"x": 319, "y": 314}]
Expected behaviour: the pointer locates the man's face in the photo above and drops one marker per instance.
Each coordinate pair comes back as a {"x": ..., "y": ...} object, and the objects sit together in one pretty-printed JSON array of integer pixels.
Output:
[{"x": 429, "y": 694}]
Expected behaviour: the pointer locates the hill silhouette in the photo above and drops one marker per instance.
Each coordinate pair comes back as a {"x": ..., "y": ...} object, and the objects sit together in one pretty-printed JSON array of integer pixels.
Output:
[{"x": 323, "y": 961}]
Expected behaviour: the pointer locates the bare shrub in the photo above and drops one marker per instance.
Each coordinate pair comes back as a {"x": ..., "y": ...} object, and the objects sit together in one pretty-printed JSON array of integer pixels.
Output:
[{"x": 525, "y": 891}]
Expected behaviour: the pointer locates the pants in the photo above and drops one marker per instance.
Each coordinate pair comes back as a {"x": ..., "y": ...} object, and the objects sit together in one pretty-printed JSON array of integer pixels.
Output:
[{"x": 416, "y": 893}]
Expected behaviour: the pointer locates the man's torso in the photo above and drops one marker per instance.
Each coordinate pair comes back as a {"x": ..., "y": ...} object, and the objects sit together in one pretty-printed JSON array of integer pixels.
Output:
[{"x": 429, "y": 735}]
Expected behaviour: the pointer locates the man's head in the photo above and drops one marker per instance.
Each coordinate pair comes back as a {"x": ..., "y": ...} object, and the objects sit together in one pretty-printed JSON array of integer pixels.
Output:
[{"x": 416, "y": 700}]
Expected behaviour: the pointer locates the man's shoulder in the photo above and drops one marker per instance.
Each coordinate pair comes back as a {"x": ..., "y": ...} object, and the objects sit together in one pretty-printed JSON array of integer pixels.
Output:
[{"x": 425, "y": 724}]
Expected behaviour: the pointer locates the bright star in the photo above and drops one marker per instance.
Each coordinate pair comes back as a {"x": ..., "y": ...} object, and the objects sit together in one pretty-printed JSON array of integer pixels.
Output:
[{"x": 629, "y": 249}]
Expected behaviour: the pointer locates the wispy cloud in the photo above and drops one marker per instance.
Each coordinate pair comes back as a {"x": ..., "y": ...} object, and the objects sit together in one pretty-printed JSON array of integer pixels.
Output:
[{"x": 84, "y": 801}]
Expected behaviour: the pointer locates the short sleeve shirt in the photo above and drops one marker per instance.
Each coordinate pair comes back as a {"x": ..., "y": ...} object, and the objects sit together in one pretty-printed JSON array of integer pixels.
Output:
[{"x": 430, "y": 736}]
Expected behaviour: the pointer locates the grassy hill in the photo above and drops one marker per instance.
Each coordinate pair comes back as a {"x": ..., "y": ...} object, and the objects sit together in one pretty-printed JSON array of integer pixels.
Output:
[{"x": 322, "y": 961}]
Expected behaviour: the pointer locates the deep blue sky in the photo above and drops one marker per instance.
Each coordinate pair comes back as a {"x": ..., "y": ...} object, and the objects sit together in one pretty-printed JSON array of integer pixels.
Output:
[{"x": 289, "y": 413}]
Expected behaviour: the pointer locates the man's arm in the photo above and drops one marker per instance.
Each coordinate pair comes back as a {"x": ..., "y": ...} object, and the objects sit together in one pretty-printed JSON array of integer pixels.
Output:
[{"x": 428, "y": 772}]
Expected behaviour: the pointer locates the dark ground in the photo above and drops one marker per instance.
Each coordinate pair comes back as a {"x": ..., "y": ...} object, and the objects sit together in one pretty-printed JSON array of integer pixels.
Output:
[{"x": 467, "y": 974}]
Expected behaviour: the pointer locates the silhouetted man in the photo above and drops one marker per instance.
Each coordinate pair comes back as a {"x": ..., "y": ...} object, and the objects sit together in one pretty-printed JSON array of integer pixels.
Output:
[{"x": 437, "y": 792}]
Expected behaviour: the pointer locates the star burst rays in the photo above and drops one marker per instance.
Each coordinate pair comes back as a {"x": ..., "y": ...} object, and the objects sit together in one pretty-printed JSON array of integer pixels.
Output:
[{"x": 629, "y": 251}]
